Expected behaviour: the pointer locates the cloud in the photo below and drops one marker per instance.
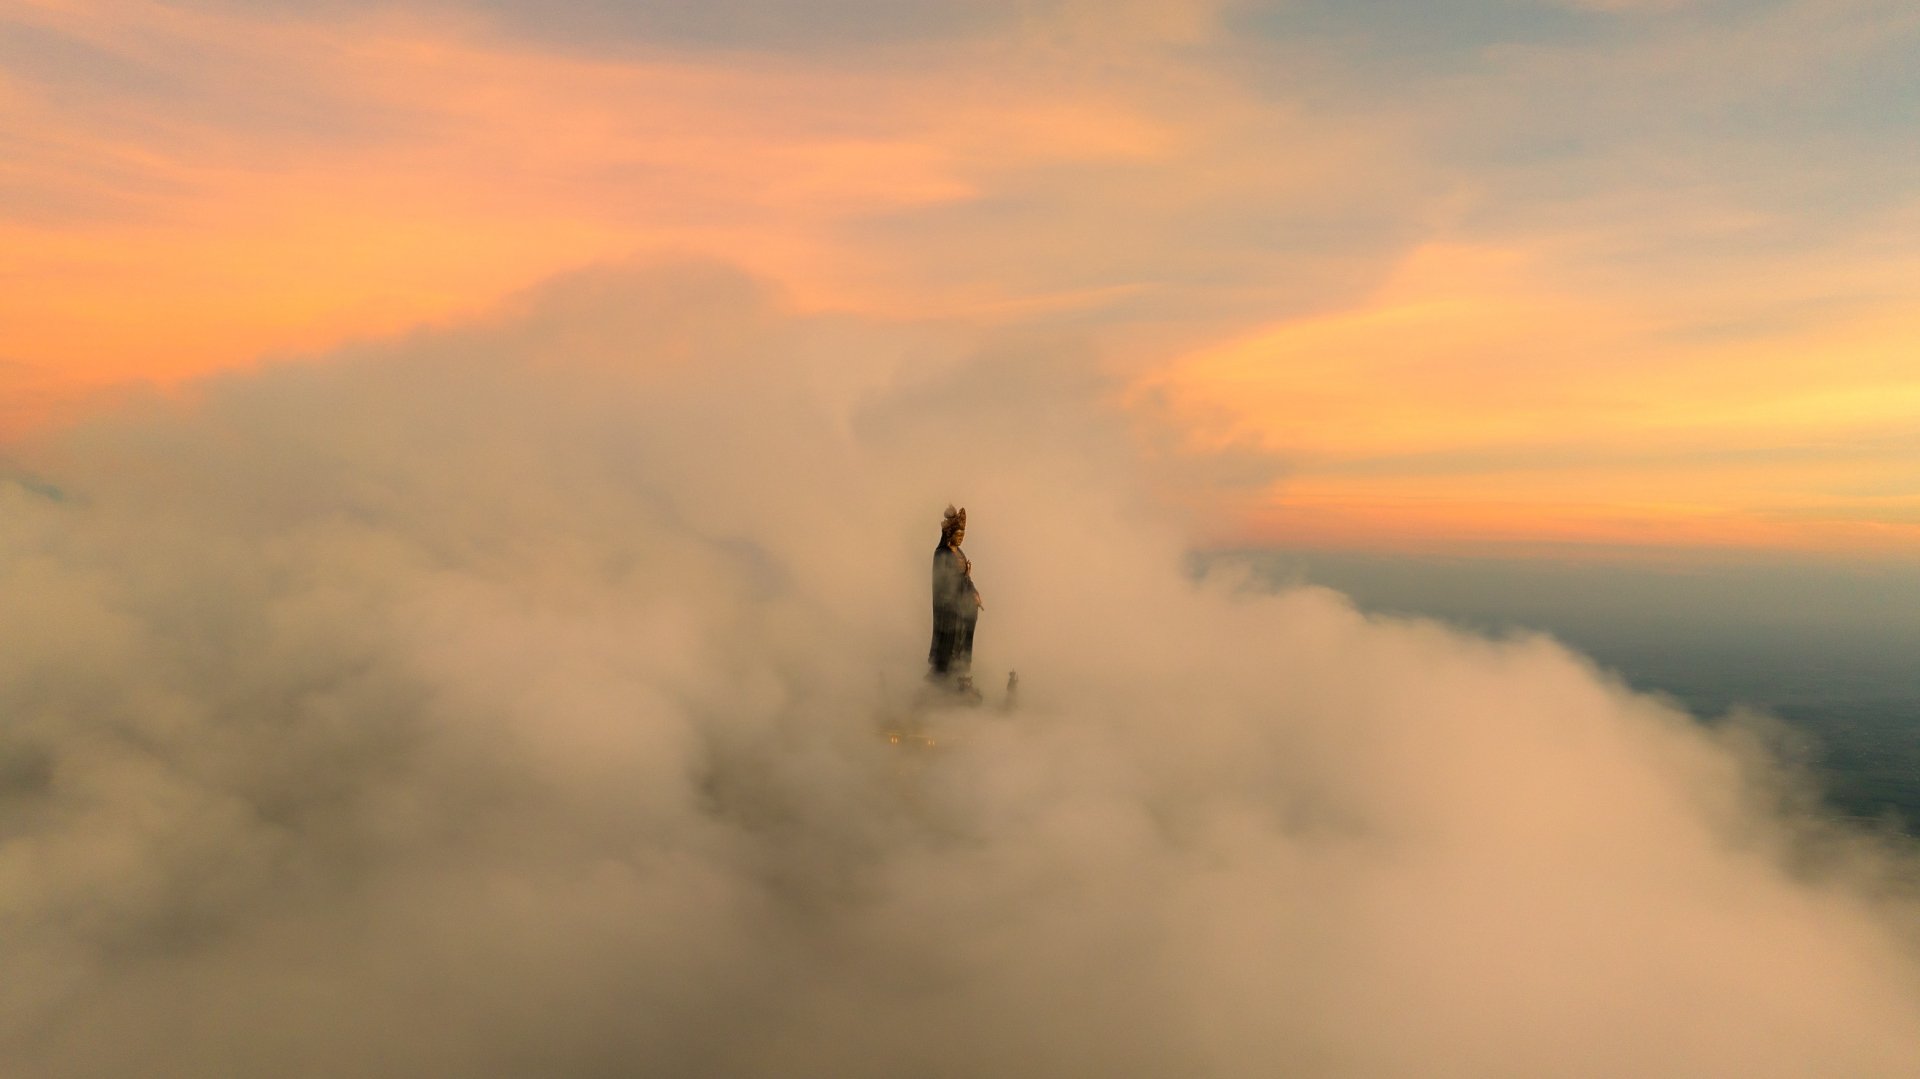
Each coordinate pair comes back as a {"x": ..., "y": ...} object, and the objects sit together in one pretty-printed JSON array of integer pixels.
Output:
[
  {"x": 421, "y": 163},
  {"x": 503, "y": 700},
  {"x": 827, "y": 27},
  {"x": 1491, "y": 395},
  {"x": 193, "y": 186}
]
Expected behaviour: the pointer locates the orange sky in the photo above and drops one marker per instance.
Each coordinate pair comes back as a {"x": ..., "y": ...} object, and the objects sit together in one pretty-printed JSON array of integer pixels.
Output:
[{"x": 1452, "y": 290}]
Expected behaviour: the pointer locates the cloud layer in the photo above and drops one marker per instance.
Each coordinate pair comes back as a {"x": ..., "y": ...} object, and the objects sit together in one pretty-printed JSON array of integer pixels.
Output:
[{"x": 505, "y": 700}]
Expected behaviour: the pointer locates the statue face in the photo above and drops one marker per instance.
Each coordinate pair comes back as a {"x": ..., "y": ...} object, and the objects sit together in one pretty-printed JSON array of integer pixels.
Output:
[{"x": 959, "y": 534}]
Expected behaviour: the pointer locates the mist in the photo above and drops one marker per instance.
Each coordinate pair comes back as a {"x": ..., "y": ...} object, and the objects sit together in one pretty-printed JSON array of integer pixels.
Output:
[
  {"x": 505, "y": 700},
  {"x": 1825, "y": 645}
]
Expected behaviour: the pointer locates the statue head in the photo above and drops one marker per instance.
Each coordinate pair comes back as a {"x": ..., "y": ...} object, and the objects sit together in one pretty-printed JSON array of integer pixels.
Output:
[{"x": 953, "y": 528}]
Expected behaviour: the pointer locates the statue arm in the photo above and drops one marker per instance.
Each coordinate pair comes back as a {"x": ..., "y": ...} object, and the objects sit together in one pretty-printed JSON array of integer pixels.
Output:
[
  {"x": 953, "y": 587},
  {"x": 967, "y": 589}
]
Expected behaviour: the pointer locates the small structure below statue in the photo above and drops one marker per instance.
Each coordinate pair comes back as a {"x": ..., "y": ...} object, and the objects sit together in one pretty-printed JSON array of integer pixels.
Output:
[{"x": 956, "y": 610}]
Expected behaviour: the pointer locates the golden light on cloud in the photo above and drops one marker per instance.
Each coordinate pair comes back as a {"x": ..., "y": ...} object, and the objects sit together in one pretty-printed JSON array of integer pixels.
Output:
[
  {"x": 447, "y": 168},
  {"x": 1433, "y": 335},
  {"x": 1474, "y": 400}
]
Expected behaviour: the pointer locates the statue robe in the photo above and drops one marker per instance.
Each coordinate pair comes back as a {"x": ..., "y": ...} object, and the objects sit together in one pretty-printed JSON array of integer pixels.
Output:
[{"x": 955, "y": 610}]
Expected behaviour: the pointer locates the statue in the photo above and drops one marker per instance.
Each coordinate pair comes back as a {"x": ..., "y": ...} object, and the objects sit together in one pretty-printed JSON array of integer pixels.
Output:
[{"x": 956, "y": 607}]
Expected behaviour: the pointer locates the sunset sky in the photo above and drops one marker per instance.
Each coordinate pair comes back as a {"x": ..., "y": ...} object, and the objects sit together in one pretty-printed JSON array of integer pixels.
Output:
[
  {"x": 1443, "y": 488},
  {"x": 1438, "y": 274}
]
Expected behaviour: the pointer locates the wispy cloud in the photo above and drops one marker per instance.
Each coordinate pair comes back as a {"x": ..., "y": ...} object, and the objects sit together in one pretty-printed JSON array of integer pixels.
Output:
[{"x": 1485, "y": 224}]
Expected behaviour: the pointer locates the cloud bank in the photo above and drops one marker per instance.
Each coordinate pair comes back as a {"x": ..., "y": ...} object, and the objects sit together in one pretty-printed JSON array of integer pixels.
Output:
[{"x": 502, "y": 701}]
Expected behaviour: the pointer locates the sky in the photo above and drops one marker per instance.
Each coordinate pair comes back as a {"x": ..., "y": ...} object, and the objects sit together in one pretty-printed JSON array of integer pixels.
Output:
[
  {"x": 1462, "y": 275},
  {"x": 467, "y": 475}
]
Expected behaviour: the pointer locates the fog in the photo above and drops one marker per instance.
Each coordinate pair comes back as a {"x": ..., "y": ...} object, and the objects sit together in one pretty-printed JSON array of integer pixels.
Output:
[
  {"x": 505, "y": 700},
  {"x": 1825, "y": 644}
]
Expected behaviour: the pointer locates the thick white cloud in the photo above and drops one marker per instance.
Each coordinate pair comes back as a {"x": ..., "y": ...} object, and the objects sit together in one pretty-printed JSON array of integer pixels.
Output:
[{"x": 504, "y": 701}]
